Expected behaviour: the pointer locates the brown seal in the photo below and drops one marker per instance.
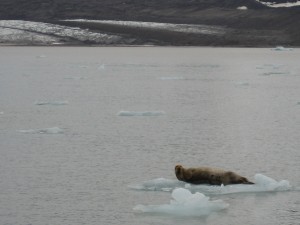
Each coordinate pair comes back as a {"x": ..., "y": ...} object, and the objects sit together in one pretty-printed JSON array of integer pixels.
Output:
[{"x": 207, "y": 175}]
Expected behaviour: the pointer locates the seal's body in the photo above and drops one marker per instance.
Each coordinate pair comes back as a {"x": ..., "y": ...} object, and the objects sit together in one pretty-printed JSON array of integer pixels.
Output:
[{"x": 207, "y": 175}]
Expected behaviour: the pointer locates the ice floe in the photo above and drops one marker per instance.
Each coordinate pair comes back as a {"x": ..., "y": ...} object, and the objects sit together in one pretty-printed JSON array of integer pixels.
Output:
[
  {"x": 54, "y": 103},
  {"x": 184, "y": 203},
  {"x": 262, "y": 184},
  {"x": 141, "y": 113},
  {"x": 17, "y": 30},
  {"x": 52, "y": 130},
  {"x": 184, "y": 28},
  {"x": 281, "y": 48}
]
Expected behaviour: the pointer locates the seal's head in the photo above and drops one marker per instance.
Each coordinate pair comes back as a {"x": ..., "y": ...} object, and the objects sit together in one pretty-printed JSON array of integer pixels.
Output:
[
  {"x": 178, "y": 169},
  {"x": 179, "y": 172}
]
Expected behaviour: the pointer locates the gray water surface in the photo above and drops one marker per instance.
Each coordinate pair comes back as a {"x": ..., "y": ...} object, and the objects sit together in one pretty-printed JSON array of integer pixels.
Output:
[{"x": 80, "y": 125}]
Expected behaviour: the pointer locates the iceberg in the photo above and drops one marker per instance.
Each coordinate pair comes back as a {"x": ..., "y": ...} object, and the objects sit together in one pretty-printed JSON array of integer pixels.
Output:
[
  {"x": 141, "y": 113},
  {"x": 262, "y": 184},
  {"x": 52, "y": 130},
  {"x": 184, "y": 203}
]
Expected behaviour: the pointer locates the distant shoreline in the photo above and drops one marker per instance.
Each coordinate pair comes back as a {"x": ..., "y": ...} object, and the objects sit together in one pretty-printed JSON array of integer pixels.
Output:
[{"x": 123, "y": 33}]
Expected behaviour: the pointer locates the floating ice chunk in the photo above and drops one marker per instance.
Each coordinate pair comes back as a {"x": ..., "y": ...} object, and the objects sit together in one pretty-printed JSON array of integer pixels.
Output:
[
  {"x": 171, "y": 78},
  {"x": 51, "y": 103},
  {"x": 262, "y": 184},
  {"x": 101, "y": 67},
  {"x": 281, "y": 48},
  {"x": 41, "y": 56},
  {"x": 184, "y": 203},
  {"x": 52, "y": 130},
  {"x": 75, "y": 78},
  {"x": 242, "y": 83},
  {"x": 269, "y": 184},
  {"x": 141, "y": 113}
]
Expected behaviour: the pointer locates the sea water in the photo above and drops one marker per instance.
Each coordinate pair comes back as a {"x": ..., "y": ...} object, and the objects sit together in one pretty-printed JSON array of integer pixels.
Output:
[{"x": 83, "y": 129}]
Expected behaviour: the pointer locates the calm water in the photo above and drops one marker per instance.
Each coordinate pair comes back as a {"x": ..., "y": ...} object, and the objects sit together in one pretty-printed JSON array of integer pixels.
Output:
[{"x": 69, "y": 153}]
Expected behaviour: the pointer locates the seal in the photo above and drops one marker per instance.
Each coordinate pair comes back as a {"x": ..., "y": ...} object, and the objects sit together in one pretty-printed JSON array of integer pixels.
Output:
[{"x": 208, "y": 175}]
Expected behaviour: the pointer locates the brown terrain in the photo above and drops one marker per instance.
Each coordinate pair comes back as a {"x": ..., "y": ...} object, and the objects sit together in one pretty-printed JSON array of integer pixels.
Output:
[{"x": 259, "y": 25}]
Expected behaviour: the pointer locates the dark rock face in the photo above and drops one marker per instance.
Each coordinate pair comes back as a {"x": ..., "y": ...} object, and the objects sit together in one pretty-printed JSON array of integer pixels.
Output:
[{"x": 256, "y": 26}]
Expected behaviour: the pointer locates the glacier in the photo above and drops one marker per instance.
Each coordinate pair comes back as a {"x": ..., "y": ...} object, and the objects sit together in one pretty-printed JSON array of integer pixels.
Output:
[{"x": 15, "y": 31}]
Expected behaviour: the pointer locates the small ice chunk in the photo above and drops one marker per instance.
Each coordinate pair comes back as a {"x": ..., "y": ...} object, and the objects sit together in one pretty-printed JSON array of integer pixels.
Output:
[
  {"x": 171, "y": 78},
  {"x": 281, "y": 48},
  {"x": 270, "y": 184},
  {"x": 51, "y": 103},
  {"x": 52, "y": 130},
  {"x": 141, "y": 113},
  {"x": 184, "y": 203},
  {"x": 41, "y": 56},
  {"x": 101, "y": 67}
]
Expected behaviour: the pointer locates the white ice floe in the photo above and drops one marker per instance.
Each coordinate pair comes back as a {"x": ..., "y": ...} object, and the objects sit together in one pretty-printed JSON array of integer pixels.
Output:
[
  {"x": 141, "y": 113},
  {"x": 184, "y": 28},
  {"x": 16, "y": 30},
  {"x": 262, "y": 184},
  {"x": 54, "y": 103},
  {"x": 52, "y": 130},
  {"x": 184, "y": 203},
  {"x": 280, "y": 5}
]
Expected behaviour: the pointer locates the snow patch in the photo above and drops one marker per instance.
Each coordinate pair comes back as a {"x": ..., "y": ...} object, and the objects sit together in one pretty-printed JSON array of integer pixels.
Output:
[
  {"x": 183, "y": 28},
  {"x": 280, "y": 5},
  {"x": 242, "y": 8}
]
